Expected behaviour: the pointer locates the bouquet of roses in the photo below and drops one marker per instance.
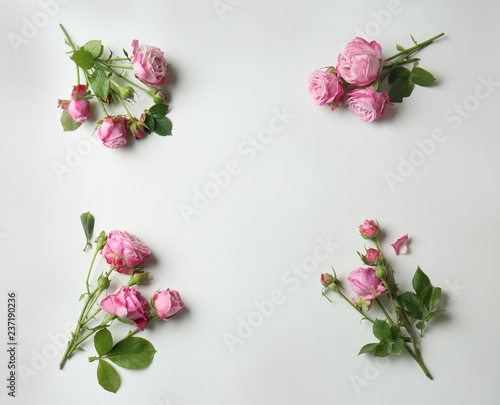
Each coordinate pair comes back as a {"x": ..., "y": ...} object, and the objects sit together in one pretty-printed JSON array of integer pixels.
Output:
[
  {"x": 372, "y": 284},
  {"x": 360, "y": 73},
  {"x": 106, "y": 82},
  {"x": 125, "y": 254}
]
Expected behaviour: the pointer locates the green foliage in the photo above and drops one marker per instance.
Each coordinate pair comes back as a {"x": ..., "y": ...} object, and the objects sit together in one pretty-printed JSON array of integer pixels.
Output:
[
  {"x": 370, "y": 347},
  {"x": 94, "y": 48},
  {"x": 83, "y": 59},
  {"x": 103, "y": 341},
  {"x": 159, "y": 110},
  {"x": 381, "y": 330},
  {"x": 422, "y": 77},
  {"x": 107, "y": 376},
  {"x": 100, "y": 84},
  {"x": 400, "y": 84},
  {"x": 412, "y": 304},
  {"x": 88, "y": 221},
  {"x": 132, "y": 353},
  {"x": 68, "y": 123},
  {"x": 163, "y": 126}
]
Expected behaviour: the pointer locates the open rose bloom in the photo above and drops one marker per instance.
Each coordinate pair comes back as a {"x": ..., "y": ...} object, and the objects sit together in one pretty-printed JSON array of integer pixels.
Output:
[
  {"x": 149, "y": 64},
  {"x": 360, "y": 62},
  {"x": 325, "y": 88},
  {"x": 125, "y": 251},
  {"x": 127, "y": 303},
  {"x": 367, "y": 104},
  {"x": 365, "y": 283},
  {"x": 113, "y": 132}
]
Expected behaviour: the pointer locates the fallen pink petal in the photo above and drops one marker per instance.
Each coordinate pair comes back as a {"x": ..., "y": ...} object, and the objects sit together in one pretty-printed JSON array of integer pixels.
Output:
[{"x": 400, "y": 246}]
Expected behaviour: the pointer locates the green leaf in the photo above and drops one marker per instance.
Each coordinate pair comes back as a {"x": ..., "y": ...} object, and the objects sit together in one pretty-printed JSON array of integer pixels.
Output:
[
  {"x": 422, "y": 77},
  {"x": 435, "y": 294},
  {"x": 397, "y": 347},
  {"x": 132, "y": 353},
  {"x": 411, "y": 304},
  {"x": 83, "y": 58},
  {"x": 159, "y": 109},
  {"x": 368, "y": 348},
  {"x": 381, "y": 330},
  {"x": 81, "y": 296},
  {"x": 100, "y": 84},
  {"x": 107, "y": 376},
  {"x": 94, "y": 48},
  {"x": 421, "y": 283},
  {"x": 103, "y": 342},
  {"x": 87, "y": 220},
  {"x": 149, "y": 122},
  {"x": 384, "y": 348},
  {"x": 400, "y": 48},
  {"x": 431, "y": 315},
  {"x": 68, "y": 123},
  {"x": 163, "y": 126},
  {"x": 401, "y": 84},
  {"x": 395, "y": 333}
]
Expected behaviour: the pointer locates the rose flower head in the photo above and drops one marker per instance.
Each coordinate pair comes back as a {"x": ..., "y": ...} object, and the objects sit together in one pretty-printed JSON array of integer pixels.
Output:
[
  {"x": 150, "y": 66},
  {"x": 124, "y": 251},
  {"x": 325, "y": 88},
  {"x": 369, "y": 229},
  {"x": 365, "y": 283},
  {"x": 127, "y": 303},
  {"x": 360, "y": 62},
  {"x": 167, "y": 303}
]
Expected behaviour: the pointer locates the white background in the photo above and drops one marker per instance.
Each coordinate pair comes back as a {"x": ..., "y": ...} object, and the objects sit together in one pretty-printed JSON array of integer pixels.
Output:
[{"x": 318, "y": 178}]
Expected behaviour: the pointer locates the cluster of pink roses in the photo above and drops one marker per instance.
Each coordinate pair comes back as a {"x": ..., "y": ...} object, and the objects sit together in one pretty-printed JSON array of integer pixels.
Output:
[
  {"x": 359, "y": 64},
  {"x": 376, "y": 280},
  {"x": 359, "y": 74},
  {"x": 102, "y": 78},
  {"x": 125, "y": 253}
]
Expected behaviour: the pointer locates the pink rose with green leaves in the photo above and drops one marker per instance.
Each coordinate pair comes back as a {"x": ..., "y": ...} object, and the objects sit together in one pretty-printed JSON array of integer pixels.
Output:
[{"x": 127, "y": 303}]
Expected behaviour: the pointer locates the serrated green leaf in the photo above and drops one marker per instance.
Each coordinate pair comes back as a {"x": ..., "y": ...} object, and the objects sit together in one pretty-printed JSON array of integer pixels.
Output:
[
  {"x": 68, "y": 123},
  {"x": 422, "y": 77},
  {"x": 159, "y": 109},
  {"x": 149, "y": 123},
  {"x": 103, "y": 342},
  {"x": 397, "y": 347},
  {"x": 432, "y": 314},
  {"x": 435, "y": 294},
  {"x": 132, "y": 353},
  {"x": 163, "y": 126},
  {"x": 400, "y": 84},
  {"x": 421, "y": 283},
  {"x": 99, "y": 81},
  {"x": 411, "y": 304},
  {"x": 88, "y": 221},
  {"x": 381, "y": 330},
  {"x": 368, "y": 348},
  {"x": 384, "y": 348},
  {"x": 395, "y": 333},
  {"x": 94, "y": 48},
  {"x": 107, "y": 376},
  {"x": 83, "y": 58}
]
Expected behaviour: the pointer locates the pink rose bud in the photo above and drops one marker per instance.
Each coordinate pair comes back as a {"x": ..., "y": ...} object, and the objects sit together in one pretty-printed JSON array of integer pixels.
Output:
[
  {"x": 367, "y": 104},
  {"x": 113, "y": 132},
  {"x": 327, "y": 279},
  {"x": 79, "y": 110},
  {"x": 124, "y": 251},
  {"x": 365, "y": 283},
  {"x": 167, "y": 303},
  {"x": 160, "y": 97},
  {"x": 325, "y": 88},
  {"x": 137, "y": 128},
  {"x": 360, "y": 61},
  {"x": 400, "y": 246},
  {"x": 78, "y": 92},
  {"x": 149, "y": 64},
  {"x": 372, "y": 255},
  {"x": 127, "y": 303},
  {"x": 369, "y": 229}
]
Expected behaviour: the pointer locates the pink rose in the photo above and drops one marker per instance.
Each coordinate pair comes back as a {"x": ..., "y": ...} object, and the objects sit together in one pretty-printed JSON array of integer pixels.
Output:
[
  {"x": 400, "y": 246},
  {"x": 325, "y": 88},
  {"x": 113, "y": 132},
  {"x": 79, "y": 110},
  {"x": 127, "y": 303},
  {"x": 360, "y": 61},
  {"x": 124, "y": 251},
  {"x": 368, "y": 229},
  {"x": 137, "y": 127},
  {"x": 367, "y": 104},
  {"x": 372, "y": 255},
  {"x": 327, "y": 279},
  {"x": 167, "y": 303},
  {"x": 365, "y": 283},
  {"x": 149, "y": 64}
]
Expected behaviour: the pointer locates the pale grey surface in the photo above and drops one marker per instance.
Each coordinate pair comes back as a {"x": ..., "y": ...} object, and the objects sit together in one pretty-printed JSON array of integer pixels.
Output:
[{"x": 318, "y": 178}]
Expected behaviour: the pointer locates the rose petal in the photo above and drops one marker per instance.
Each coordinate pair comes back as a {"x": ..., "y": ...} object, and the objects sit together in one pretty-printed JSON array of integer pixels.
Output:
[{"x": 400, "y": 245}]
